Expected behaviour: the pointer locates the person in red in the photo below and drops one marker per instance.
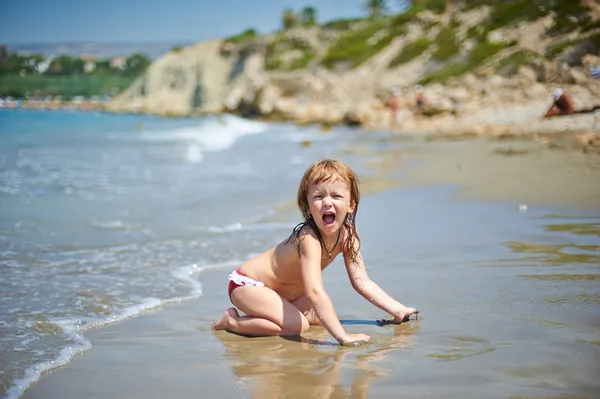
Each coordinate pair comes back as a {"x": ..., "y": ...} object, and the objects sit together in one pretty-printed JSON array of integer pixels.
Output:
[
  {"x": 394, "y": 106},
  {"x": 562, "y": 105}
]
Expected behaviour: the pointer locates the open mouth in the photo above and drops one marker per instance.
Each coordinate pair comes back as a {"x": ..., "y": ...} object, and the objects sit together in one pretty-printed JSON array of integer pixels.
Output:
[{"x": 329, "y": 217}]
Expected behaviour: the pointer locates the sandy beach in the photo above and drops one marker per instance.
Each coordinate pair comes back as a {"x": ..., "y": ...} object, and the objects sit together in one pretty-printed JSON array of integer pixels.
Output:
[
  {"x": 509, "y": 298},
  {"x": 522, "y": 171}
]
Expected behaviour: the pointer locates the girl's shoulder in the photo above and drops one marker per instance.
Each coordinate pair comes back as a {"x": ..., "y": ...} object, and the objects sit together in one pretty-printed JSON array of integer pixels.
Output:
[
  {"x": 299, "y": 235},
  {"x": 301, "y": 230}
]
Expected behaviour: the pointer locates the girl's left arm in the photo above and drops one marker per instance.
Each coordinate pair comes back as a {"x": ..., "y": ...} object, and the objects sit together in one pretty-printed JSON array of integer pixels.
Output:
[{"x": 372, "y": 292}]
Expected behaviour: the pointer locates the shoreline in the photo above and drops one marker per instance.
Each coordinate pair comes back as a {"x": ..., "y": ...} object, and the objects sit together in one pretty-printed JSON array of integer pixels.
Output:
[{"x": 580, "y": 132}]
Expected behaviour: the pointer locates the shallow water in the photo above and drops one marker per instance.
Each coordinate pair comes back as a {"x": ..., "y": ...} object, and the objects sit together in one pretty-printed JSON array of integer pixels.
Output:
[
  {"x": 104, "y": 216},
  {"x": 107, "y": 216}
]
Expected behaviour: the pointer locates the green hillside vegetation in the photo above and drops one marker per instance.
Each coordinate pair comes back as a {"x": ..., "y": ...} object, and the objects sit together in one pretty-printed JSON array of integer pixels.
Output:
[
  {"x": 67, "y": 86},
  {"x": 357, "y": 46},
  {"x": 274, "y": 56},
  {"x": 358, "y": 40},
  {"x": 66, "y": 76},
  {"x": 510, "y": 65},
  {"x": 411, "y": 51},
  {"x": 477, "y": 57},
  {"x": 341, "y": 24},
  {"x": 447, "y": 45},
  {"x": 246, "y": 35}
]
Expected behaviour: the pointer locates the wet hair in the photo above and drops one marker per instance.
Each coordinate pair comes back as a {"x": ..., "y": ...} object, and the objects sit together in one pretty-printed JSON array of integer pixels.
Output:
[{"x": 323, "y": 171}]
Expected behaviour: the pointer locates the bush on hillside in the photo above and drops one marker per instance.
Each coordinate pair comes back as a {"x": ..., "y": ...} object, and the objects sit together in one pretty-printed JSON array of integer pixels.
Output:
[
  {"x": 411, "y": 51},
  {"x": 511, "y": 64},
  {"x": 477, "y": 57},
  {"x": 354, "y": 47},
  {"x": 342, "y": 24},
  {"x": 308, "y": 56},
  {"x": 278, "y": 47},
  {"x": 569, "y": 16},
  {"x": 436, "y": 6},
  {"x": 505, "y": 14},
  {"x": 242, "y": 37},
  {"x": 447, "y": 45},
  {"x": 406, "y": 17}
]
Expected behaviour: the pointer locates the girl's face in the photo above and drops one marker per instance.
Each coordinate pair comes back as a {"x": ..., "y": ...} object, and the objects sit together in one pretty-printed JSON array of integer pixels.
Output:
[{"x": 329, "y": 202}]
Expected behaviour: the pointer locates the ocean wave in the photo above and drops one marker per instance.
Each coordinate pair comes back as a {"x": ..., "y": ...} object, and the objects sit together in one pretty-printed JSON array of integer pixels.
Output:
[
  {"x": 112, "y": 225},
  {"x": 74, "y": 329},
  {"x": 245, "y": 227},
  {"x": 211, "y": 135}
]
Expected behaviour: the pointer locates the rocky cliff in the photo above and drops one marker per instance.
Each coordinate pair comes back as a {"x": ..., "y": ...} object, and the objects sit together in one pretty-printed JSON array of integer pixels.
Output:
[{"x": 478, "y": 65}]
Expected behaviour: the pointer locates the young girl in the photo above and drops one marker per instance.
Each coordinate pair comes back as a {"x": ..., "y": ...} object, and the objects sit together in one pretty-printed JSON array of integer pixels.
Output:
[{"x": 281, "y": 291}]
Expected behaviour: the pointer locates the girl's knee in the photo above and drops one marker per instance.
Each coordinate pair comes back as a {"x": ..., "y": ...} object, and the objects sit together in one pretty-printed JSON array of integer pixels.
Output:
[{"x": 295, "y": 327}]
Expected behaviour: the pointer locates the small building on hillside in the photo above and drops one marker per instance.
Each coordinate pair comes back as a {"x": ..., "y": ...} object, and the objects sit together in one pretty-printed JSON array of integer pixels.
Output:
[
  {"x": 89, "y": 66},
  {"x": 118, "y": 63},
  {"x": 43, "y": 66}
]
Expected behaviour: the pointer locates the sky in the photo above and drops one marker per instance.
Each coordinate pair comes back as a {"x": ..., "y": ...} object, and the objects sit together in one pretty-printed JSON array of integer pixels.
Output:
[{"x": 112, "y": 21}]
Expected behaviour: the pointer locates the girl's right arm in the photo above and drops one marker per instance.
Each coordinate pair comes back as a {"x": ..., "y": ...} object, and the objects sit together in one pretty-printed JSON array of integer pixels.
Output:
[{"x": 310, "y": 262}]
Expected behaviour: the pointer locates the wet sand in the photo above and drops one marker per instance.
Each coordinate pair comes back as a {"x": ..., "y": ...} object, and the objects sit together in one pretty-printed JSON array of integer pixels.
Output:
[
  {"x": 528, "y": 173},
  {"x": 510, "y": 300}
]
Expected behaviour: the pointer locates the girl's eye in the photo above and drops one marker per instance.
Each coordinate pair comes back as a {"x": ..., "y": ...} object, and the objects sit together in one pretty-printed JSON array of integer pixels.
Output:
[{"x": 317, "y": 197}]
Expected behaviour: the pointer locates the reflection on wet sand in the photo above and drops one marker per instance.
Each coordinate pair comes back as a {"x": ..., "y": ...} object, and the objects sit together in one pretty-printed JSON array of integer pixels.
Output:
[
  {"x": 566, "y": 298},
  {"x": 461, "y": 347},
  {"x": 555, "y": 255},
  {"x": 563, "y": 254},
  {"x": 576, "y": 228},
  {"x": 564, "y": 277},
  {"x": 310, "y": 366}
]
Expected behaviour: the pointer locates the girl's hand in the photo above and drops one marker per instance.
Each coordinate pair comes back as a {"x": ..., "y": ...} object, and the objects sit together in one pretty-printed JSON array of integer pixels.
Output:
[
  {"x": 400, "y": 316},
  {"x": 355, "y": 339}
]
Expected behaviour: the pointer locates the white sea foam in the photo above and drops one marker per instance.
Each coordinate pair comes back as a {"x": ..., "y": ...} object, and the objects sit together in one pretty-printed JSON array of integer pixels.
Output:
[
  {"x": 112, "y": 225},
  {"x": 74, "y": 329},
  {"x": 248, "y": 227},
  {"x": 215, "y": 134}
]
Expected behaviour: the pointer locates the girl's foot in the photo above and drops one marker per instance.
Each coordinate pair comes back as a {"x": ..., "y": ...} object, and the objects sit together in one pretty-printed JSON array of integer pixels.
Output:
[{"x": 229, "y": 317}]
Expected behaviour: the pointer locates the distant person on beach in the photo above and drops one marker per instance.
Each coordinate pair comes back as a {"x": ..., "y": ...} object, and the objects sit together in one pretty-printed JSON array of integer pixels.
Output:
[
  {"x": 419, "y": 100},
  {"x": 281, "y": 291},
  {"x": 394, "y": 106},
  {"x": 562, "y": 105}
]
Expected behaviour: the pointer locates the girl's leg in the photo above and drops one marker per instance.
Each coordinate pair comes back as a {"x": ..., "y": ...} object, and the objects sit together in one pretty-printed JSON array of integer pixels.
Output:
[
  {"x": 304, "y": 305},
  {"x": 267, "y": 314},
  {"x": 246, "y": 325}
]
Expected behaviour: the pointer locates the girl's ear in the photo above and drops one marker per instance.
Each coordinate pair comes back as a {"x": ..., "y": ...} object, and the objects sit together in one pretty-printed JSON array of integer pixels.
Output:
[{"x": 352, "y": 207}]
